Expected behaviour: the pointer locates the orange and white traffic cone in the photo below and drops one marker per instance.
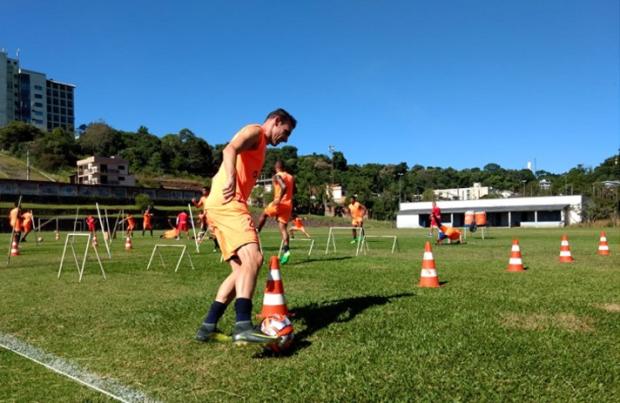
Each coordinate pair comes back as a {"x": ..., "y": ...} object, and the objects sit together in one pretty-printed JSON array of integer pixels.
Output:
[
  {"x": 57, "y": 235},
  {"x": 565, "y": 256},
  {"x": 14, "y": 248},
  {"x": 603, "y": 247},
  {"x": 515, "y": 263},
  {"x": 95, "y": 244},
  {"x": 274, "y": 301},
  {"x": 428, "y": 275},
  {"x": 128, "y": 245}
]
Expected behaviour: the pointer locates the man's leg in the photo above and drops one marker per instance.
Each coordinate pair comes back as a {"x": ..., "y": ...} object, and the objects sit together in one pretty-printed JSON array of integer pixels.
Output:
[
  {"x": 225, "y": 294},
  {"x": 354, "y": 232},
  {"x": 285, "y": 241},
  {"x": 261, "y": 221}
]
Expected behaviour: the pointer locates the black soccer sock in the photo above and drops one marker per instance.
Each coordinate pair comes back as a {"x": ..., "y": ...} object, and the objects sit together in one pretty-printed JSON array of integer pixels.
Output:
[
  {"x": 215, "y": 312},
  {"x": 285, "y": 248},
  {"x": 243, "y": 308}
]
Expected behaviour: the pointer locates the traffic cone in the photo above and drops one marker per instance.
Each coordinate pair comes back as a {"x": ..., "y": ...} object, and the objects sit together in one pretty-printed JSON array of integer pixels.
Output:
[
  {"x": 57, "y": 235},
  {"x": 14, "y": 248},
  {"x": 95, "y": 244},
  {"x": 128, "y": 245},
  {"x": 603, "y": 247},
  {"x": 428, "y": 276},
  {"x": 565, "y": 256},
  {"x": 515, "y": 263},
  {"x": 274, "y": 301}
]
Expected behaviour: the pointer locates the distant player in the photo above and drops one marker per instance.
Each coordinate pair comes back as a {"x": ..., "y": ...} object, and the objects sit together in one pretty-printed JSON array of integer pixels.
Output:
[
  {"x": 450, "y": 233},
  {"x": 281, "y": 206},
  {"x": 230, "y": 219},
  {"x": 298, "y": 225},
  {"x": 26, "y": 224},
  {"x": 15, "y": 219},
  {"x": 182, "y": 224},
  {"x": 131, "y": 225},
  {"x": 147, "y": 221},
  {"x": 90, "y": 224},
  {"x": 202, "y": 218},
  {"x": 435, "y": 218},
  {"x": 357, "y": 211}
]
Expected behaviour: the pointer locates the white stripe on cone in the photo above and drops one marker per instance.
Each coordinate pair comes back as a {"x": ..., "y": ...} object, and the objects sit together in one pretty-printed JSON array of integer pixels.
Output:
[
  {"x": 515, "y": 248},
  {"x": 565, "y": 253},
  {"x": 274, "y": 275},
  {"x": 515, "y": 260},
  {"x": 603, "y": 239},
  {"x": 274, "y": 299},
  {"x": 428, "y": 273},
  {"x": 564, "y": 243},
  {"x": 603, "y": 247},
  {"x": 428, "y": 256}
]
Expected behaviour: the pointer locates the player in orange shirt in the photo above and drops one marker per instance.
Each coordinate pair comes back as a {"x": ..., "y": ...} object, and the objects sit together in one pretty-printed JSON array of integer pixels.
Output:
[
  {"x": 202, "y": 219},
  {"x": 298, "y": 225},
  {"x": 15, "y": 219},
  {"x": 357, "y": 211},
  {"x": 229, "y": 218},
  {"x": 26, "y": 224},
  {"x": 452, "y": 234},
  {"x": 281, "y": 206},
  {"x": 131, "y": 224},
  {"x": 147, "y": 219}
]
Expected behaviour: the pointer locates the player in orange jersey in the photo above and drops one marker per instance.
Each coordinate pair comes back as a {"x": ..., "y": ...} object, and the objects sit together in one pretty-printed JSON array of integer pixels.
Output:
[
  {"x": 357, "y": 211},
  {"x": 298, "y": 225},
  {"x": 90, "y": 223},
  {"x": 147, "y": 221},
  {"x": 229, "y": 218},
  {"x": 15, "y": 219},
  {"x": 26, "y": 224},
  {"x": 281, "y": 206},
  {"x": 452, "y": 234},
  {"x": 131, "y": 224}
]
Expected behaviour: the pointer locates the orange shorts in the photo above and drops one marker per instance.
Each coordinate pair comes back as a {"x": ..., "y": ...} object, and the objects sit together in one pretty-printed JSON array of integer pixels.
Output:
[
  {"x": 281, "y": 211},
  {"x": 357, "y": 222},
  {"x": 232, "y": 225}
]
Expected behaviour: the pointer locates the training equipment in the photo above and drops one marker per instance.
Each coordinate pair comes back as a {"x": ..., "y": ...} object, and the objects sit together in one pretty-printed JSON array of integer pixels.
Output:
[
  {"x": 365, "y": 247},
  {"x": 40, "y": 239},
  {"x": 71, "y": 236},
  {"x": 565, "y": 256},
  {"x": 14, "y": 248},
  {"x": 603, "y": 247},
  {"x": 428, "y": 275},
  {"x": 57, "y": 235},
  {"x": 331, "y": 238},
  {"x": 95, "y": 244},
  {"x": 295, "y": 240},
  {"x": 274, "y": 301},
  {"x": 128, "y": 245},
  {"x": 515, "y": 263},
  {"x": 183, "y": 252},
  {"x": 281, "y": 326}
]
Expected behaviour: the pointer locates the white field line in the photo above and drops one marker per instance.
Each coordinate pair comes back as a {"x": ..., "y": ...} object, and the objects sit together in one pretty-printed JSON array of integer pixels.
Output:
[{"x": 108, "y": 387}]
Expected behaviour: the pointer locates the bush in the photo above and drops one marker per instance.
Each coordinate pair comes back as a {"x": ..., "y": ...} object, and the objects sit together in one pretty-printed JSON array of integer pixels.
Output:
[{"x": 143, "y": 201}]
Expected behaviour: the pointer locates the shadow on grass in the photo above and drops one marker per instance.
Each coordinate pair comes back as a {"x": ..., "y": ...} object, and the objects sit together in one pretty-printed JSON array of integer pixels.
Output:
[
  {"x": 318, "y": 316},
  {"x": 310, "y": 260}
]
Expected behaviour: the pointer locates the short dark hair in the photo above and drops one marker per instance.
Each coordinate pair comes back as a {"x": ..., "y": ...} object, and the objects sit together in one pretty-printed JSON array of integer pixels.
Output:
[{"x": 284, "y": 115}]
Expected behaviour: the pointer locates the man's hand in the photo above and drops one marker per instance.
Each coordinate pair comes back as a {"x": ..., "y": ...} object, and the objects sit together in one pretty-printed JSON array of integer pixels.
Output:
[{"x": 229, "y": 190}]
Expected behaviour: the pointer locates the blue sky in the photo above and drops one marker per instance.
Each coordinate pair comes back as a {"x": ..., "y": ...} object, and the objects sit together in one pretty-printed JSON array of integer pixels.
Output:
[{"x": 457, "y": 83}]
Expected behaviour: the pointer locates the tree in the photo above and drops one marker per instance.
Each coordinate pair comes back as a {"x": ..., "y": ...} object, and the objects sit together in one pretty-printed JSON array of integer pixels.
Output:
[
  {"x": 55, "y": 150},
  {"x": 15, "y": 136},
  {"x": 101, "y": 139}
]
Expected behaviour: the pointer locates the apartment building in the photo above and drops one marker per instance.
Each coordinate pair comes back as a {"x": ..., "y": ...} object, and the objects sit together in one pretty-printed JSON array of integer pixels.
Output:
[
  {"x": 29, "y": 96},
  {"x": 104, "y": 171}
]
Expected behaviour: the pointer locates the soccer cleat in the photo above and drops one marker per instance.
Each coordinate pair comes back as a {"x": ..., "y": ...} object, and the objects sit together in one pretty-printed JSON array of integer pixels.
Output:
[
  {"x": 285, "y": 256},
  {"x": 353, "y": 241},
  {"x": 205, "y": 335},
  {"x": 243, "y": 335}
]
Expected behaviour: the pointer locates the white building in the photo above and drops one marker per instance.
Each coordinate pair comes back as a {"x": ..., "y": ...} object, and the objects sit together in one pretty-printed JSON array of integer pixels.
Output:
[
  {"x": 472, "y": 193},
  {"x": 550, "y": 211},
  {"x": 104, "y": 171}
]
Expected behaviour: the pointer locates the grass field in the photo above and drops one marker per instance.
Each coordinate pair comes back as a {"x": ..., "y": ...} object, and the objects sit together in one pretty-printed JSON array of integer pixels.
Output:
[{"x": 365, "y": 331}]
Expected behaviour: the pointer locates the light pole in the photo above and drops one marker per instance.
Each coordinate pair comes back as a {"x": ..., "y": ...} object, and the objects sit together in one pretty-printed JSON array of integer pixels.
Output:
[
  {"x": 523, "y": 182},
  {"x": 400, "y": 176},
  {"x": 332, "y": 150}
]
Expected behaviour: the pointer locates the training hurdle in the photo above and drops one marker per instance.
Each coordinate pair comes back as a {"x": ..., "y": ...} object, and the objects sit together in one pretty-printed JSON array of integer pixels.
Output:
[
  {"x": 183, "y": 252},
  {"x": 395, "y": 245},
  {"x": 331, "y": 239},
  {"x": 80, "y": 269},
  {"x": 300, "y": 239}
]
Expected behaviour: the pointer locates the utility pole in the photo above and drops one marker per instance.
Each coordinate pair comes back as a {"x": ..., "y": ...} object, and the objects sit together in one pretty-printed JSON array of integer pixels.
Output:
[{"x": 28, "y": 164}]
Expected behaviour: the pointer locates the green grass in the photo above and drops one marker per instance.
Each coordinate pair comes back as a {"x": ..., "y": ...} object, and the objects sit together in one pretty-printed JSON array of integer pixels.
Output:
[{"x": 365, "y": 331}]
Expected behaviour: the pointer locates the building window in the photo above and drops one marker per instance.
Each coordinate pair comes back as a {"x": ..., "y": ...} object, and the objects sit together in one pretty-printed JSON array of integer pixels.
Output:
[
  {"x": 121, "y": 178},
  {"x": 38, "y": 87},
  {"x": 38, "y": 96},
  {"x": 38, "y": 104}
]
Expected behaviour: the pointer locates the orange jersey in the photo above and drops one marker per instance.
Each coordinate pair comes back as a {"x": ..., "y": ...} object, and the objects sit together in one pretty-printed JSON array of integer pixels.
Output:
[
  {"x": 357, "y": 210},
  {"x": 131, "y": 222},
  {"x": 289, "y": 182},
  {"x": 146, "y": 219},
  {"x": 451, "y": 232},
  {"x": 27, "y": 218},
  {"x": 15, "y": 219},
  {"x": 298, "y": 223},
  {"x": 202, "y": 202},
  {"x": 247, "y": 166}
]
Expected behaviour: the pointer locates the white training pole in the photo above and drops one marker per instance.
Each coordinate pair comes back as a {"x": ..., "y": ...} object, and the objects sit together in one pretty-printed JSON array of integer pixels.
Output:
[
  {"x": 102, "y": 226},
  {"x": 79, "y": 268},
  {"x": 191, "y": 217},
  {"x": 77, "y": 212}
]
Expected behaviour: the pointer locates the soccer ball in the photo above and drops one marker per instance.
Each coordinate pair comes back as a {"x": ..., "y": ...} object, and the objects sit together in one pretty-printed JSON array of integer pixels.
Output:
[
  {"x": 281, "y": 326},
  {"x": 40, "y": 239}
]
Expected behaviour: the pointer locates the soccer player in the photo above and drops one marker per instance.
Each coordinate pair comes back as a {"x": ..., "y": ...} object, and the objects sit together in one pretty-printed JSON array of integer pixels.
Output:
[
  {"x": 298, "y": 225},
  {"x": 15, "y": 219},
  {"x": 357, "y": 211},
  {"x": 281, "y": 206},
  {"x": 26, "y": 224},
  {"x": 182, "y": 218},
  {"x": 452, "y": 234},
  {"x": 147, "y": 219},
  {"x": 435, "y": 219},
  {"x": 230, "y": 220},
  {"x": 90, "y": 223},
  {"x": 202, "y": 218}
]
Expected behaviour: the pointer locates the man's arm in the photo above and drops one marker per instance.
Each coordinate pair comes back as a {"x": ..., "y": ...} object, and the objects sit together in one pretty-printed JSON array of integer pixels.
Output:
[
  {"x": 282, "y": 185},
  {"x": 246, "y": 140}
]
